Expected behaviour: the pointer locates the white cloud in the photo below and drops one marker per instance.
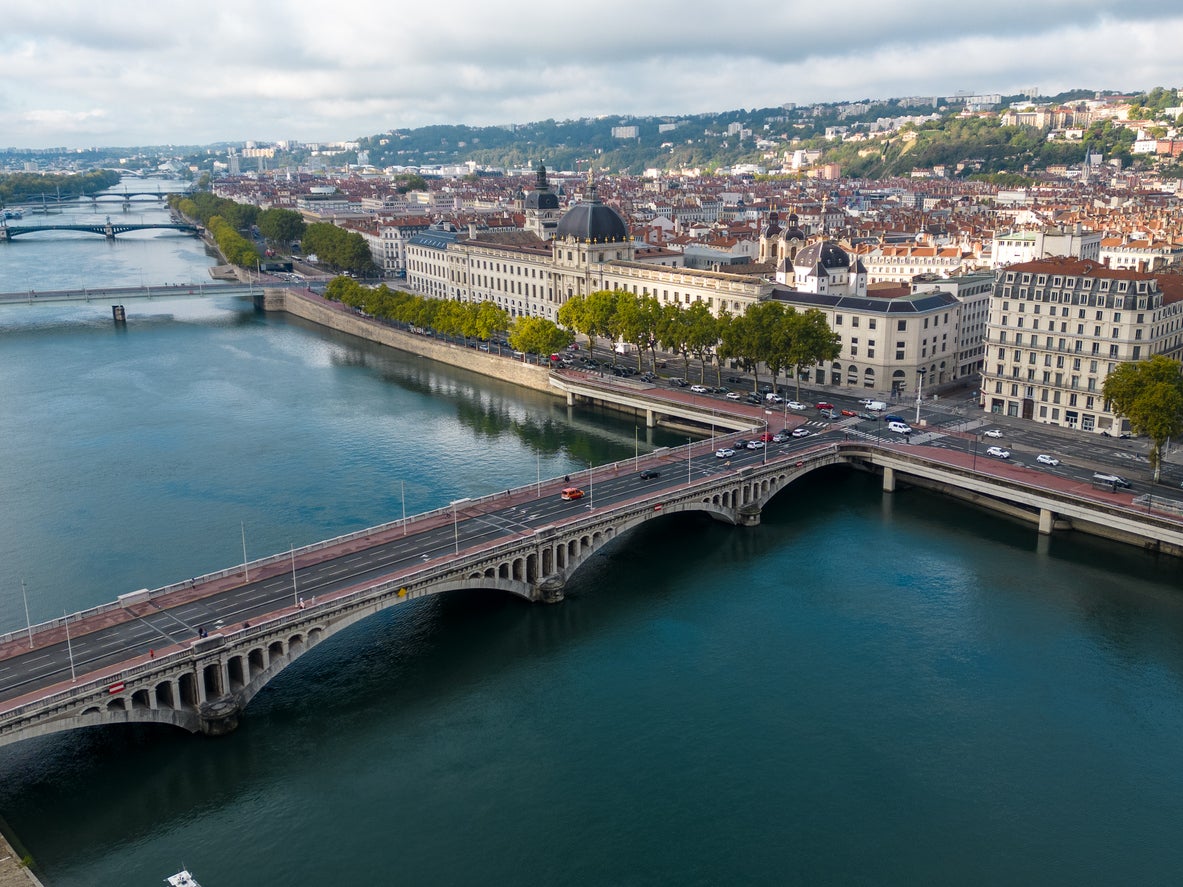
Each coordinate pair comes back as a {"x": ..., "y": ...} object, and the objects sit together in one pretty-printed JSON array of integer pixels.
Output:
[{"x": 192, "y": 73}]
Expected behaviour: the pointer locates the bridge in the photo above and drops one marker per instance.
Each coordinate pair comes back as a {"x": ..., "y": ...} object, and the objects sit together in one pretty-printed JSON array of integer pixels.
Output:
[
  {"x": 194, "y": 654},
  {"x": 108, "y": 229},
  {"x": 132, "y": 293}
]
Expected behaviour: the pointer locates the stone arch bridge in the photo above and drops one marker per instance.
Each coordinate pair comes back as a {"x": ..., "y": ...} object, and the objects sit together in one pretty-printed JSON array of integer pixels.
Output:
[{"x": 205, "y": 684}]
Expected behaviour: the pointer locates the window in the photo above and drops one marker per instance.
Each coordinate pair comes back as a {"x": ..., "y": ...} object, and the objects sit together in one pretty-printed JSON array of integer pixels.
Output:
[{"x": 901, "y": 326}]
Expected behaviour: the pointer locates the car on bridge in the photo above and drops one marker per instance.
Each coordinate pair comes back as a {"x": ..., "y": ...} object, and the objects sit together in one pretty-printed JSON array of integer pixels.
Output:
[
  {"x": 572, "y": 493},
  {"x": 998, "y": 451},
  {"x": 755, "y": 444},
  {"x": 1043, "y": 459},
  {"x": 650, "y": 474},
  {"x": 780, "y": 437},
  {"x": 800, "y": 432},
  {"x": 993, "y": 432},
  {"x": 724, "y": 453}
]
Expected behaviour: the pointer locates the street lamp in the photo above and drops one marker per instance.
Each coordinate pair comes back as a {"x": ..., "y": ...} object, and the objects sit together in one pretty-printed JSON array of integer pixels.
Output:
[
  {"x": 456, "y": 523},
  {"x": 295, "y": 592},
  {"x": 246, "y": 573},
  {"x": 919, "y": 392},
  {"x": 688, "y": 460},
  {"x": 28, "y": 623}
]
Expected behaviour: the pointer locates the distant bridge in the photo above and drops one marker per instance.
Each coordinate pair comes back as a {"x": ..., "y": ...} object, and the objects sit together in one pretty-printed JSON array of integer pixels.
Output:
[
  {"x": 130, "y": 293},
  {"x": 108, "y": 229}
]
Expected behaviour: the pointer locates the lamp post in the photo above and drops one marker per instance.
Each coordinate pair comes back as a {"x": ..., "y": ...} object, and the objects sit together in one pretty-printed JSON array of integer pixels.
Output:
[
  {"x": 591, "y": 486},
  {"x": 295, "y": 593},
  {"x": 687, "y": 460},
  {"x": 456, "y": 522},
  {"x": 975, "y": 456},
  {"x": 28, "y": 624},
  {"x": 919, "y": 392},
  {"x": 637, "y": 447},
  {"x": 403, "y": 487},
  {"x": 69, "y": 646},
  {"x": 246, "y": 573}
]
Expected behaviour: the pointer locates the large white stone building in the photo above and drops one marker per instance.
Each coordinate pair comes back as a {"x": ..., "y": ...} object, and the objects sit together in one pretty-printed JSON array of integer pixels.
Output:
[{"x": 1058, "y": 327}]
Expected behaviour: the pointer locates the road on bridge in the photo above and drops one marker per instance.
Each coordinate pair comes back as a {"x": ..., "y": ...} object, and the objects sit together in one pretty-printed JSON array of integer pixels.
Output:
[{"x": 126, "y": 635}]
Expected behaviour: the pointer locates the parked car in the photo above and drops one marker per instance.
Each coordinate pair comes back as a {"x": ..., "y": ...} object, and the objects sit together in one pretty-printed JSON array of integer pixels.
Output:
[
  {"x": 678, "y": 382},
  {"x": 993, "y": 432},
  {"x": 867, "y": 417},
  {"x": 572, "y": 493},
  {"x": 998, "y": 451},
  {"x": 1047, "y": 460},
  {"x": 797, "y": 405},
  {"x": 772, "y": 397},
  {"x": 734, "y": 395},
  {"x": 754, "y": 399},
  {"x": 724, "y": 453},
  {"x": 699, "y": 389},
  {"x": 899, "y": 427},
  {"x": 650, "y": 474},
  {"x": 800, "y": 432},
  {"x": 737, "y": 380}
]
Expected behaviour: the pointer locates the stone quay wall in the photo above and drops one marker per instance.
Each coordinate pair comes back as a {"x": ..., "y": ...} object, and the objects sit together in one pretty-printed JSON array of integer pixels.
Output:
[{"x": 339, "y": 317}]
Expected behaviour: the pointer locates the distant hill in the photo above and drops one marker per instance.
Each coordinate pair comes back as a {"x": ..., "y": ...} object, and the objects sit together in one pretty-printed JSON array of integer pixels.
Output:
[{"x": 761, "y": 136}]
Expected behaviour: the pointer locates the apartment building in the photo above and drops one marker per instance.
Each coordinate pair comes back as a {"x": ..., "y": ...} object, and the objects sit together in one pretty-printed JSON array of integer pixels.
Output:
[
  {"x": 1059, "y": 326},
  {"x": 973, "y": 293}
]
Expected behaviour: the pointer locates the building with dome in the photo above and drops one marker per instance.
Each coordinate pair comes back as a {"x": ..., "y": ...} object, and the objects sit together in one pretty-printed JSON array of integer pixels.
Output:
[
  {"x": 591, "y": 249},
  {"x": 541, "y": 207}
]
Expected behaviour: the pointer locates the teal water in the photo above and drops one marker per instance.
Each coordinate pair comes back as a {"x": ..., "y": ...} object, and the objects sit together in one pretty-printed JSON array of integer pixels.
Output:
[{"x": 865, "y": 689}]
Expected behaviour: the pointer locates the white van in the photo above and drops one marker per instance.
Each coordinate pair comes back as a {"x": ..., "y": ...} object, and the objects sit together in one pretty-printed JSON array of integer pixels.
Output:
[
  {"x": 899, "y": 427},
  {"x": 875, "y": 406}
]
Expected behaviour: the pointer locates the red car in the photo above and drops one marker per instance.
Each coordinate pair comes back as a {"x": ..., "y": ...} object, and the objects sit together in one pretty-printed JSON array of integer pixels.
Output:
[
  {"x": 766, "y": 437},
  {"x": 849, "y": 413},
  {"x": 825, "y": 406}
]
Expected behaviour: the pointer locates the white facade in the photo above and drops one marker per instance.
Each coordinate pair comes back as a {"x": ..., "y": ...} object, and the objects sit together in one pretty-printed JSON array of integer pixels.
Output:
[{"x": 1058, "y": 327}]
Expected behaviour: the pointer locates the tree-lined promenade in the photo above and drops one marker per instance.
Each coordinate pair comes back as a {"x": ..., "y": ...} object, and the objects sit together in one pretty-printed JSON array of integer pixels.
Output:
[{"x": 768, "y": 335}]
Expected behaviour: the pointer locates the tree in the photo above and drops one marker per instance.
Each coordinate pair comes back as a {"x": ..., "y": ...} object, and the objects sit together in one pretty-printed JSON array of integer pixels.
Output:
[
  {"x": 1150, "y": 394},
  {"x": 281, "y": 226},
  {"x": 537, "y": 335},
  {"x": 813, "y": 342}
]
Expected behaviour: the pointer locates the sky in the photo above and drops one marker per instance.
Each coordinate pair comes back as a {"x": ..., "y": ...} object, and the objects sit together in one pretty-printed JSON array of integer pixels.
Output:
[{"x": 127, "y": 72}]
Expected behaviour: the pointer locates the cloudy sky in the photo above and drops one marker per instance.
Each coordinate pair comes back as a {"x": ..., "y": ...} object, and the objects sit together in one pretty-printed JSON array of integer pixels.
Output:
[{"x": 127, "y": 72}]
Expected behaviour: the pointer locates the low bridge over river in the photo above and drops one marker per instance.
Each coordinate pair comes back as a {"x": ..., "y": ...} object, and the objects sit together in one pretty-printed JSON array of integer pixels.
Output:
[
  {"x": 195, "y": 653},
  {"x": 108, "y": 229}
]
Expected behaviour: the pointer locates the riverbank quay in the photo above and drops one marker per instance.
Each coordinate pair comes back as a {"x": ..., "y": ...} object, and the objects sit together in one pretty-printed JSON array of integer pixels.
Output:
[
  {"x": 12, "y": 872},
  {"x": 324, "y": 312}
]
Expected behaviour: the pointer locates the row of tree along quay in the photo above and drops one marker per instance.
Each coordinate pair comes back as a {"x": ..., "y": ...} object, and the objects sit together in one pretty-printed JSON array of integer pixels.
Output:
[
  {"x": 1150, "y": 394},
  {"x": 18, "y": 187},
  {"x": 767, "y": 334},
  {"x": 233, "y": 225}
]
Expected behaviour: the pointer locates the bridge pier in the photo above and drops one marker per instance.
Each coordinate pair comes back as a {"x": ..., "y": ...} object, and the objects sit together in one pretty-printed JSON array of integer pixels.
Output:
[
  {"x": 650, "y": 419},
  {"x": 888, "y": 479},
  {"x": 1047, "y": 519},
  {"x": 220, "y": 717},
  {"x": 550, "y": 589},
  {"x": 748, "y": 515}
]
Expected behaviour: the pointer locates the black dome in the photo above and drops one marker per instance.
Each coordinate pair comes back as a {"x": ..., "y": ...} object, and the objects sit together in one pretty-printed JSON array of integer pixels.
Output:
[
  {"x": 541, "y": 200},
  {"x": 593, "y": 222},
  {"x": 773, "y": 227},
  {"x": 829, "y": 254}
]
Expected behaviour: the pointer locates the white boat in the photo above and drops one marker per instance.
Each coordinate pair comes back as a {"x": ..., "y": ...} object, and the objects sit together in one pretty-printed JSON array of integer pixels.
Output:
[{"x": 182, "y": 879}]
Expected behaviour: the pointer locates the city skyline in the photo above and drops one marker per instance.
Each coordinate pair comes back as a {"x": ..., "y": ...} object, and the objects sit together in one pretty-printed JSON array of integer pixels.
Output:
[{"x": 183, "y": 75}]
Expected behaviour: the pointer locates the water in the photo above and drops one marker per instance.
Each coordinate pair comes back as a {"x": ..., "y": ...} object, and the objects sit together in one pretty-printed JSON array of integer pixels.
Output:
[{"x": 864, "y": 689}]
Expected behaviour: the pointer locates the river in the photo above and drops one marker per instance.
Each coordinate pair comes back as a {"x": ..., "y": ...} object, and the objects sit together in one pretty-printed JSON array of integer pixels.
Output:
[{"x": 865, "y": 689}]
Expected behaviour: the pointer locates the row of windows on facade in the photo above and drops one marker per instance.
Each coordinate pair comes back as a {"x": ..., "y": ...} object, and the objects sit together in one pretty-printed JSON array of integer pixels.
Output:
[
  {"x": 1052, "y": 395},
  {"x": 1074, "y": 346},
  {"x": 1081, "y": 314},
  {"x": 1102, "y": 284}
]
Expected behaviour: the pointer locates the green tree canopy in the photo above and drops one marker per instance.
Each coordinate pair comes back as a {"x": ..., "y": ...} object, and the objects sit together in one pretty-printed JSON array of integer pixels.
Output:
[
  {"x": 281, "y": 226},
  {"x": 1150, "y": 394}
]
